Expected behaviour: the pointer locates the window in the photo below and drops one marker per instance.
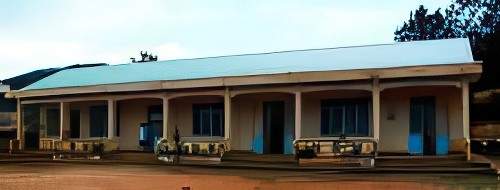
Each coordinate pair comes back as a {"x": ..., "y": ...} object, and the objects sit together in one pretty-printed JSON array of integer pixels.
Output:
[
  {"x": 344, "y": 117},
  {"x": 53, "y": 122},
  {"x": 208, "y": 119},
  {"x": 98, "y": 121}
]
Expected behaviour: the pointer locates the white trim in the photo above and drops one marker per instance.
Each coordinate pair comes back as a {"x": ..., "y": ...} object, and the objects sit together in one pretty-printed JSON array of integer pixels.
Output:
[
  {"x": 199, "y": 93},
  {"x": 288, "y": 78},
  {"x": 389, "y": 85}
]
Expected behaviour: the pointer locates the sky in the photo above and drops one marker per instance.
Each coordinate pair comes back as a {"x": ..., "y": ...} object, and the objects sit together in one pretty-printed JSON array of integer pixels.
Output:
[{"x": 40, "y": 34}]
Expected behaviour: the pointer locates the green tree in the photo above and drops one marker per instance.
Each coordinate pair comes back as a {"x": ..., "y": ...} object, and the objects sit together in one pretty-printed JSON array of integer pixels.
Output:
[{"x": 475, "y": 19}]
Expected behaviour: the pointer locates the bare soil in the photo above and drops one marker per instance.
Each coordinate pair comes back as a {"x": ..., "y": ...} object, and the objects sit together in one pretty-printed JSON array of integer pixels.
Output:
[{"x": 69, "y": 176}]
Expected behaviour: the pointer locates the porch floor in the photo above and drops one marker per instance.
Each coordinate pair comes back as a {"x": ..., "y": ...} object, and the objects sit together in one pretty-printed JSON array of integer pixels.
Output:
[{"x": 242, "y": 160}]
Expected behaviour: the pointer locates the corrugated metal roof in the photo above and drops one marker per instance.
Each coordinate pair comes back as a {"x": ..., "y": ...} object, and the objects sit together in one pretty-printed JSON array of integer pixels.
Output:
[{"x": 432, "y": 52}]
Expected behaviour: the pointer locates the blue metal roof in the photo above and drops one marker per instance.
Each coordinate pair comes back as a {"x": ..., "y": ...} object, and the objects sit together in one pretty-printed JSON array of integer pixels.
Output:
[{"x": 416, "y": 53}]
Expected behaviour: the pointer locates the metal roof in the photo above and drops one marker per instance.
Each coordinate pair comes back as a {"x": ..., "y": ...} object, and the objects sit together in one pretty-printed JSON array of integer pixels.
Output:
[{"x": 401, "y": 54}]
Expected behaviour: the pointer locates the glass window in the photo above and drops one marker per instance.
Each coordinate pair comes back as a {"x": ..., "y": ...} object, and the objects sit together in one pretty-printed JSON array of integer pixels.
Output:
[
  {"x": 208, "y": 119},
  {"x": 344, "y": 117}
]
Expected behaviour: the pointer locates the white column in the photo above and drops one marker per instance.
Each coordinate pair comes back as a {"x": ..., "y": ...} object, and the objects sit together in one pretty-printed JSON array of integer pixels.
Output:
[
  {"x": 298, "y": 115},
  {"x": 376, "y": 108},
  {"x": 61, "y": 120},
  {"x": 111, "y": 119},
  {"x": 165, "y": 117},
  {"x": 227, "y": 114},
  {"x": 19, "y": 121},
  {"x": 465, "y": 115}
]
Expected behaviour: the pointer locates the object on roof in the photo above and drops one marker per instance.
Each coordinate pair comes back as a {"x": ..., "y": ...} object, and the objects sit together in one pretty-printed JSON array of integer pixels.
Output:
[{"x": 401, "y": 54}]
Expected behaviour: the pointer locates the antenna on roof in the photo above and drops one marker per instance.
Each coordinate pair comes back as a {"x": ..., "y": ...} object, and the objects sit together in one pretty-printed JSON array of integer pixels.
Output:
[{"x": 145, "y": 57}]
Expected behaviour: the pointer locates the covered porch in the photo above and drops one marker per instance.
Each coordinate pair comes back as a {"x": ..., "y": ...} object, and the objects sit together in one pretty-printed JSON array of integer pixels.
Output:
[{"x": 274, "y": 119}]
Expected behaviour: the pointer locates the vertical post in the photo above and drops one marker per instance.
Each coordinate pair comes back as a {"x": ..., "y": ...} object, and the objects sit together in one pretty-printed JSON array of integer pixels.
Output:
[
  {"x": 298, "y": 115},
  {"x": 227, "y": 114},
  {"x": 465, "y": 115},
  {"x": 61, "y": 120},
  {"x": 376, "y": 108},
  {"x": 111, "y": 119},
  {"x": 20, "y": 129},
  {"x": 19, "y": 122},
  {"x": 165, "y": 117}
]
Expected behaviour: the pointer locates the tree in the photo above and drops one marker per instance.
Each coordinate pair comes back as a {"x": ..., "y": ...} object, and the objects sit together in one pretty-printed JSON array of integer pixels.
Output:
[
  {"x": 423, "y": 26},
  {"x": 475, "y": 19}
]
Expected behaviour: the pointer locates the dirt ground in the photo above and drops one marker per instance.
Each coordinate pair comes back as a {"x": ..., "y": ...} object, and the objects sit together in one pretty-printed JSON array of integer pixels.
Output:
[{"x": 69, "y": 176}]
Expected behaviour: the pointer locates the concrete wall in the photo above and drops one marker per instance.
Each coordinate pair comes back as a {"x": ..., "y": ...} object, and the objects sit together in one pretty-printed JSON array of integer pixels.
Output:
[
  {"x": 311, "y": 109},
  {"x": 181, "y": 113},
  {"x": 395, "y": 116},
  {"x": 247, "y": 112},
  {"x": 132, "y": 114},
  {"x": 247, "y": 121},
  {"x": 84, "y": 108}
]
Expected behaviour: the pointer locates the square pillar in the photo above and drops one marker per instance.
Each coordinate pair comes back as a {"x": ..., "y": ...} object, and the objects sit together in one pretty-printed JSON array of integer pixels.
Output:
[
  {"x": 19, "y": 121},
  {"x": 64, "y": 120},
  {"x": 298, "y": 115},
  {"x": 465, "y": 115},
  {"x": 227, "y": 114},
  {"x": 111, "y": 119},
  {"x": 376, "y": 108},
  {"x": 165, "y": 117}
]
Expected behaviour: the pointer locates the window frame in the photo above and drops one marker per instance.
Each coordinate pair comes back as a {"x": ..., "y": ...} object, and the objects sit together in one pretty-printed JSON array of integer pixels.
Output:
[
  {"x": 344, "y": 105},
  {"x": 198, "y": 109}
]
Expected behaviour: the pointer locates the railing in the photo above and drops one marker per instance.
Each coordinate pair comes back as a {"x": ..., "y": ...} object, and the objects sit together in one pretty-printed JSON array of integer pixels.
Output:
[
  {"x": 90, "y": 145},
  {"x": 313, "y": 148},
  {"x": 193, "y": 147}
]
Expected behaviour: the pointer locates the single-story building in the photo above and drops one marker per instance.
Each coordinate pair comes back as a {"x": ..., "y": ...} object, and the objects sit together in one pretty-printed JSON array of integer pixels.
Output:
[
  {"x": 8, "y": 112},
  {"x": 409, "y": 97}
]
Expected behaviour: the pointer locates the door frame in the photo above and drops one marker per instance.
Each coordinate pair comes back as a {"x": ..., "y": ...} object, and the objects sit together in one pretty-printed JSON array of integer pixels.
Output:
[
  {"x": 423, "y": 130},
  {"x": 273, "y": 140}
]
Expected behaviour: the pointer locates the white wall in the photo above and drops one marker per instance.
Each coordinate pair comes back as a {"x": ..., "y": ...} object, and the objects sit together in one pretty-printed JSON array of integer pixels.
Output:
[
  {"x": 247, "y": 121},
  {"x": 132, "y": 114},
  {"x": 396, "y": 102},
  {"x": 181, "y": 112},
  {"x": 85, "y": 115},
  {"x": 311, "y": 108}
]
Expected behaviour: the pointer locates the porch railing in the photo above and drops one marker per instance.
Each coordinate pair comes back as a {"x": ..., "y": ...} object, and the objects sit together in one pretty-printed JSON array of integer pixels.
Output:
[
  {"x": 90, "y": 145},
  {"x": 193, "y": 147},
  {"x": 334, "y": 148}
]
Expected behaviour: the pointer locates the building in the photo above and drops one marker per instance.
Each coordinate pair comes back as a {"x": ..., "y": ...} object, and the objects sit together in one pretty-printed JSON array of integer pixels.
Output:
[
  {"x": 8, "y": 108},
  {"x": 410, "y": 97}
]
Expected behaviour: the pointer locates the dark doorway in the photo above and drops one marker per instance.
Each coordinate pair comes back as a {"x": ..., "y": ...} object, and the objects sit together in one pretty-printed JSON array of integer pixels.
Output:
[
  {"x": 74, "y": 123},
  {"x": 31, "y": 122},
  {"x": 423, "y": 126},
  {"x": 53, "y": 122},
  {"x": 98, "y": 121},
  {"x": 274, "y": 125}
]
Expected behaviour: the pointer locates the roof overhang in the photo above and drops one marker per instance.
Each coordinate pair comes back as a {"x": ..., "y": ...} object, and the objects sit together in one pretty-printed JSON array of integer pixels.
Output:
[{"x": 472, "y": 69}]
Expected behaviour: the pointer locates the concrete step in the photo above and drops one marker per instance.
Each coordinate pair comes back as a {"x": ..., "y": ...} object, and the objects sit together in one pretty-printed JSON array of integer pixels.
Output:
[
  {"x": 243, "y": 156},
  {"x": 452, "y": 161},
  {"x": 26, "y": 155}
]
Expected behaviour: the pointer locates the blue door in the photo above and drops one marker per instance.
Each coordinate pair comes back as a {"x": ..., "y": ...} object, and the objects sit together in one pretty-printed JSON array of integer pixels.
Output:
[{"x": 422, "y": 138}]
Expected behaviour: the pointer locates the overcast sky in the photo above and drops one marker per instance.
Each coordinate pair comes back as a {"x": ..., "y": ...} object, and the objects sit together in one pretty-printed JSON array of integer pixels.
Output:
[{"x": 51, "y": 33}]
